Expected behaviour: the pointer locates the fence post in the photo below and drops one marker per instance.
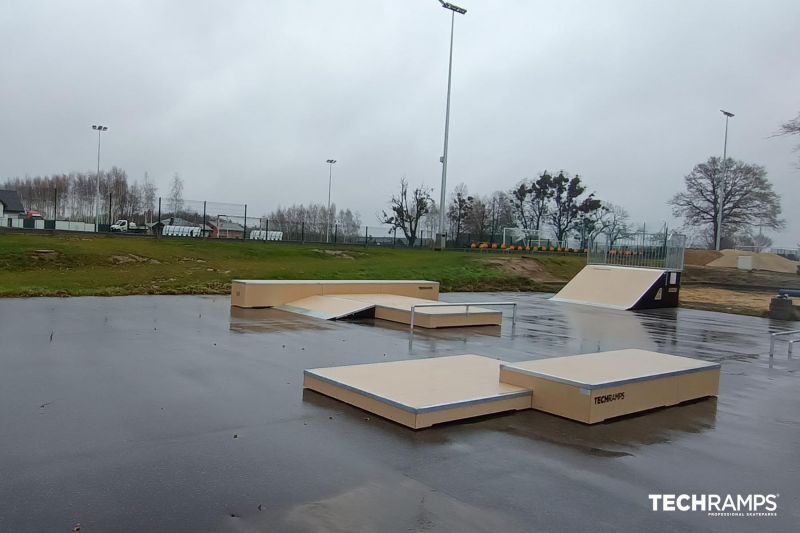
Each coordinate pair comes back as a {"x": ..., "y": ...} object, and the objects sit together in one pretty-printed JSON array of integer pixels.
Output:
[
  {"x": 109, "y": 209},
  {"x": 366, "y": 236},
  {"x": 335, "y": 232},
  {"x": 266, "y": 238},
  {"x": 203, "y": 229},
  {"x": 55, "y": 205},
  {"x": 244, "y": 232},
  {"x": 394, "y": 237},
  {"x": 303, "y": 232}
]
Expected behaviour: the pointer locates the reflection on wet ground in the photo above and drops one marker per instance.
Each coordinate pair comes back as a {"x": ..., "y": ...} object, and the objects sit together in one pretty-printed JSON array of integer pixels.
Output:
[{"x": 182, "y": 414}]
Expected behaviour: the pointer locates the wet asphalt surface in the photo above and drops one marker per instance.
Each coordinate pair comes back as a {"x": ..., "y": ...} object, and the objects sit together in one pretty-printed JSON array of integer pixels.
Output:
[{"x": 179, "y": 414}]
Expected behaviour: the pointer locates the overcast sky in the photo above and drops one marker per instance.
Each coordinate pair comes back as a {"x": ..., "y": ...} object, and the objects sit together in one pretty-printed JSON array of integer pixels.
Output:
[{"x": 246, "y": 100}]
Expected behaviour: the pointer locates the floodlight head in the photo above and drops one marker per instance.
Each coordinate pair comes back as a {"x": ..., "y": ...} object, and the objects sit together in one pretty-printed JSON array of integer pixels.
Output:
[
  {"x": 94, "y": 127},
  {"x": 453, "y": 7},
  {"x": 331, "y": 161},
  {"x": 99, "y": 128},
  {"x": 726, "y": 113}
]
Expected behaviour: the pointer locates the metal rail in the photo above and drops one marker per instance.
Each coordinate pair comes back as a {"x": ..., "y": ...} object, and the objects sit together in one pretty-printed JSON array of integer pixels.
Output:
[
  {"x": 772, "y": 340},
  {"x": 467, "y": 305}
]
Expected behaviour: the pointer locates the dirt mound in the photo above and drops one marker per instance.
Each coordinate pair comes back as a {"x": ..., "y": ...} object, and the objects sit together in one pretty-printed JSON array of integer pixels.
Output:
[
  {"x": 337, "y": 253},
  {"x": 526, "y": 267},
  {"x": 131, "y": 258},
  {"x": 761, "y": 261},
  {"x": 46, "y": 255},
  {"x": 700, "y": 257}
]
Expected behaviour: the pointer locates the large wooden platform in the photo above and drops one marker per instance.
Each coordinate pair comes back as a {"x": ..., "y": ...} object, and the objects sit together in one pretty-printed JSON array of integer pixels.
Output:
[
  {"x": 588, "y": 388},
  {"x": 594, "y": 387},
  {"x": 421, "y": 392},
  {"x": 275, "y": 292},
  {"x": 386, "y": 300}
]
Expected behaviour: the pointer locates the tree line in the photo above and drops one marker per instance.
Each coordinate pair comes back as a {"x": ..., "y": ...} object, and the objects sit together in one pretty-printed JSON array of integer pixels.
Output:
[
  {"x": 72, "y": 196},
  {"x": 553, "y": 206},
  {"x": 315, "y": 219},
  {"x": 558, "y": 206}
]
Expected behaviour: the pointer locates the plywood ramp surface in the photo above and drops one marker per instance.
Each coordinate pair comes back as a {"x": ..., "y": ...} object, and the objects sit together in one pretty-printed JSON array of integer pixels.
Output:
[
  {"x": 326, "y": 307},
  {"x": 609, "y": 286},
  {"x": 422, "y": 392},
  {"x": 397, "y": 308}
]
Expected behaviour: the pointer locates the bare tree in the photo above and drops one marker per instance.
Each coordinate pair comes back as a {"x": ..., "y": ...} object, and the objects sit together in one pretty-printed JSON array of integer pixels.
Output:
[
  {"x": 519, "y": 198},
  {"x": 541, "y": 192},
  {"x": 501, "y": 212},
  {"x": 791, "y": 127},
  {"x": 478, "y": 219},
  {"x": 429, "y": 224},
  {"x": 349, "y": 223},
  {"x": 568, "y": 207},
  {"x": 591, "y": 224},
  {"x": 618, "y": 223},
  {"x": 458, "y": 210},
  {"x": 406, "y": 210},
  {"x": 176, "y": 194},
  {"x": 149, "y": 192},
  {"x": 746, "y": 197}
]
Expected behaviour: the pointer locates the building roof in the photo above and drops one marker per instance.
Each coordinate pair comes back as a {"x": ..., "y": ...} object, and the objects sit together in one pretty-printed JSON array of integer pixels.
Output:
[
  {"x": 11, "y": 201},
  {"x": 174, "y": 221},
  {"x": 226, "y": 225}
]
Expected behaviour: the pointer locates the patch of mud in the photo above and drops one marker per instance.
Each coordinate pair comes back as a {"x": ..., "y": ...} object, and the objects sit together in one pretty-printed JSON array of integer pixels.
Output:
[
  {"x": 131, "y": 258},
  {"x": 527, "y": 267},
  {"x": 756, "y": 303},
  {"x": 337, "y": 253},
  {"x": 46, "y": 255}
]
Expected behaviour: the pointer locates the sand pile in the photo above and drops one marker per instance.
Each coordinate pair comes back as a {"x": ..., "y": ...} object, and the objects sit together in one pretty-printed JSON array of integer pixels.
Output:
[
  {"x": 700, "y": 257},
  {"x": 762, "y": 261}
]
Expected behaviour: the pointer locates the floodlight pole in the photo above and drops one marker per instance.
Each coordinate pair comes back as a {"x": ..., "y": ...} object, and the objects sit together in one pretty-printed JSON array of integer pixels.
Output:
[
  {"x": 330, "y": 162},
  {"x": 442, "y": 200},
  {"x": 99, "y": 130},
  {"x": 721, "y": 193}
]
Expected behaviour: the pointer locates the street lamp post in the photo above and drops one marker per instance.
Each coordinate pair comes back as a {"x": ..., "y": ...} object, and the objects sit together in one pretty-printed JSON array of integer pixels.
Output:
[
  {"x": 99, "y": 130},
  {"x": 330, "y": 162},
  {"x": 442, "y": 207},
  {"x": 721, "y": 193}
]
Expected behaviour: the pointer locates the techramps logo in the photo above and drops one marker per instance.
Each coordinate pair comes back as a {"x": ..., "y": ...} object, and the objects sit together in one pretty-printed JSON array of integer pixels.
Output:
[{"x": 718, "y": 505}]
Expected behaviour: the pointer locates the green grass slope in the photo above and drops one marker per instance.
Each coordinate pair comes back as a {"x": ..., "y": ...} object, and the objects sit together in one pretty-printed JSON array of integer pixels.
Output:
[{"x": 78, "y": 265}]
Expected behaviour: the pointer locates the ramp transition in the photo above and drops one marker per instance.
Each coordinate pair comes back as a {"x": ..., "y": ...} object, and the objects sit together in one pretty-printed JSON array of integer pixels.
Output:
[
  {"x": 588, "y": 388},
  {"x": 621, "y": 287}
]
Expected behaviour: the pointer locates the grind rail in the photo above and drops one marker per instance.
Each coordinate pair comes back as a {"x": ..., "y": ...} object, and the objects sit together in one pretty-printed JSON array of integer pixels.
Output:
[{"x": 772, "y": 339}]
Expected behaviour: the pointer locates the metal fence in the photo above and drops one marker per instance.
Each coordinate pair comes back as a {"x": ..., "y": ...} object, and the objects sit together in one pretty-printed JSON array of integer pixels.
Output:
[{"x": 645, "y": 250}]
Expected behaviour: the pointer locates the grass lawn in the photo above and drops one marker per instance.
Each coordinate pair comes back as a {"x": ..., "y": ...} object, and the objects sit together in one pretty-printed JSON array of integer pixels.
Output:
[{"x": 80, "y": 265}]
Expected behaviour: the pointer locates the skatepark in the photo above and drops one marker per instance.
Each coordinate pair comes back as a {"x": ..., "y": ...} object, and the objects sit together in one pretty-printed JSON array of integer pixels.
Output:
[{"x": 195, "y": 410}]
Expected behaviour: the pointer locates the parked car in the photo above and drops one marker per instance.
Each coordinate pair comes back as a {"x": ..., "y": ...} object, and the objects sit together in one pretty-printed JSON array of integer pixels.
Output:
[{"x": 124, "y": 226}]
